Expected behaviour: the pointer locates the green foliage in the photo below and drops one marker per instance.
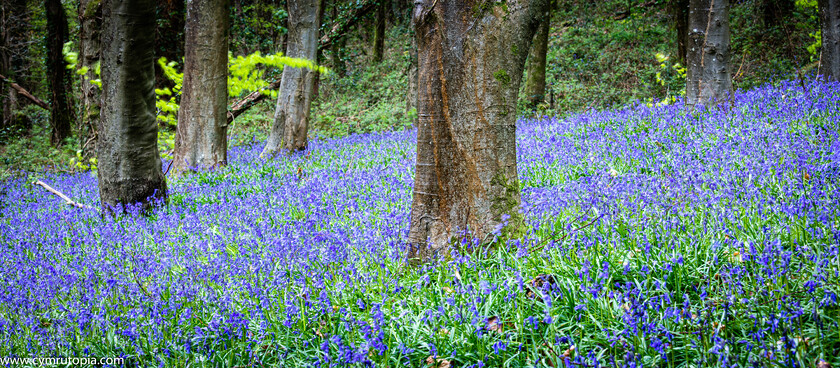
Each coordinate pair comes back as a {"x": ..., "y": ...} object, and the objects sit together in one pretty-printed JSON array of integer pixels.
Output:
[
  {"x": 246, "y": 75},
  {"x": 598, "y": 61},
  {"x": 166, "y": 100},
  {"x": 257, "y": 26},
  {"x": 371, "y": 97}
]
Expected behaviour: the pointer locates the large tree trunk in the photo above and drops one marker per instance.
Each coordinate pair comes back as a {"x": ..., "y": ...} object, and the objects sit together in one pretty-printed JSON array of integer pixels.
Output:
[
  {"x": 59, "y": 78},
  {"x": 679, "y": 10},
  {"x": 830, "y": 25},
  {"x": 709, "y": 77},
  {"x": 128, "y": 158},
  {"x": 291, "y": 119},
  {"x": 471, "y": 55},
  {"x": 535, "y": 84},
  {"x": 201, "y": 138},
  {"x": 379, "y": 31},
  {"x": 90, "y": 22}
]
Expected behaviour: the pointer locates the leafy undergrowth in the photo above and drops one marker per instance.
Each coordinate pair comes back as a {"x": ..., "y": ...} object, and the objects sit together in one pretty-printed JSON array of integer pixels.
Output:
[{"x": 658, "y": 238}]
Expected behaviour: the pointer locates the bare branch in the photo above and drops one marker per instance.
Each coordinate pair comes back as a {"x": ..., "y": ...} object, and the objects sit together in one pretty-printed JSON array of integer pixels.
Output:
[{"x": 23, "y": 92}]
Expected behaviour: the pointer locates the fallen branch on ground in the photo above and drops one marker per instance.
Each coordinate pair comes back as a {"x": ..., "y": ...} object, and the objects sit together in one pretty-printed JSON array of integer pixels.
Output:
[
  {"x": 60, "y": 195},
  {"x": 23, "y": 92}
]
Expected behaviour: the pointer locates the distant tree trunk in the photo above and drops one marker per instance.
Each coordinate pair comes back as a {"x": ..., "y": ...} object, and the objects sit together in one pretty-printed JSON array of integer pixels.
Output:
[
  {"x": 709, "y": 77},
  {"x": 379, "y": 31},
  {"x": 337, "y": 48},
  {"x": 471, "y": 56},
  {"x": 201, "y": 136},
  {"x": 830, "y": 25},
  {"x": 291, "y": 118},
  {"x": 535, "y": 84},
  {"x": 7, "y": 93},
  {"x": 128, "y": 158},
  {"x": 775, "y": 12},
  {"x": 90, "y": 22},
  {"x": 679, "y": 10},
  {"x": 59, "y": 78},
  {"x": 169, "y": 35}
]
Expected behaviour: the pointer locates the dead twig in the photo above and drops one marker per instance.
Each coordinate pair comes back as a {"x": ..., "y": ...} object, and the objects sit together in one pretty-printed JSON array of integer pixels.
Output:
[
  {"x": 544, "y": 242},
  {"x": 61, "y": 195}
]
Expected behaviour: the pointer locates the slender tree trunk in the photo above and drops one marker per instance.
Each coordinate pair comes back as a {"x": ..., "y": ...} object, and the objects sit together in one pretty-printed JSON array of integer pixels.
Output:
[
  {"x": 679, "y": 10},
  {"x": 535, "y": 84},
  {"x": 201, "y": 137},
  {"x": 775, "y": 12},
  {"x": 128, "y": 158},
  {"x": 8, "y": 94},
  {"x": 337, "y": 48},
  {"x": 90, "y": 22},
  {"x": 379, "y": 31},
  {"x": 471, "y": 56},
  {"x": 291, "y": 118},
  {"x": 708, "y": 53},
  {"x": 59, "y": 78},
  {"x": 169, "y": 35},
  {"x": 14, "y": 61},
  {"x": 830, "y": 25}
]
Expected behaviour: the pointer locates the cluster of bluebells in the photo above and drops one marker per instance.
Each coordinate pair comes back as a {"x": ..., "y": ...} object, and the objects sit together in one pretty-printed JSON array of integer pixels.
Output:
[{"x": 657, "y": 236}]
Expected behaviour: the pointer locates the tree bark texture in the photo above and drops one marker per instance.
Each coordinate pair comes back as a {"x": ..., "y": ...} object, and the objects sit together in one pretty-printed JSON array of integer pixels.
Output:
[
  {"x": 830, "y": 26},
  {"x": 379, "y": 31},
  {"x": 535, "y": 84},
  {"x": 90, "y": 26},
  {"x": 128, "y": 158},
  {"x": 679, "y": 10},
  {"x": 411, "y": 101},
  {"x": 471, "y": 55},
  {"x": 709, "y": 77},
  {"x": 59, "y": 77},
  {"x": 291, "y": 118},
  {"x": 201, "y": 136}
]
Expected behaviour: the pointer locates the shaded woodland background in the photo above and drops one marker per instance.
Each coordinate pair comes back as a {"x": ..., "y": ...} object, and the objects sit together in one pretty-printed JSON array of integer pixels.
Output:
[{"x": 600, "y": 55}]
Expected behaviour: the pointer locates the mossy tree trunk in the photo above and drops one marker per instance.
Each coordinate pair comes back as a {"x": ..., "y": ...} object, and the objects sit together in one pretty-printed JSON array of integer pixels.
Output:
[
  {"x": 61, "y": 116},
  {"x": 830, "y": 26},
  {"x": 291, "y": 118},
  {"x": 128, "y": 158},
  {"x": 201, "y": 136},
  {"x": 708, "y": 52},
  {"x": 471, "y": 56},
  {"x": 535, "y": 84},
  {"x": 90, "y": 26}
]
